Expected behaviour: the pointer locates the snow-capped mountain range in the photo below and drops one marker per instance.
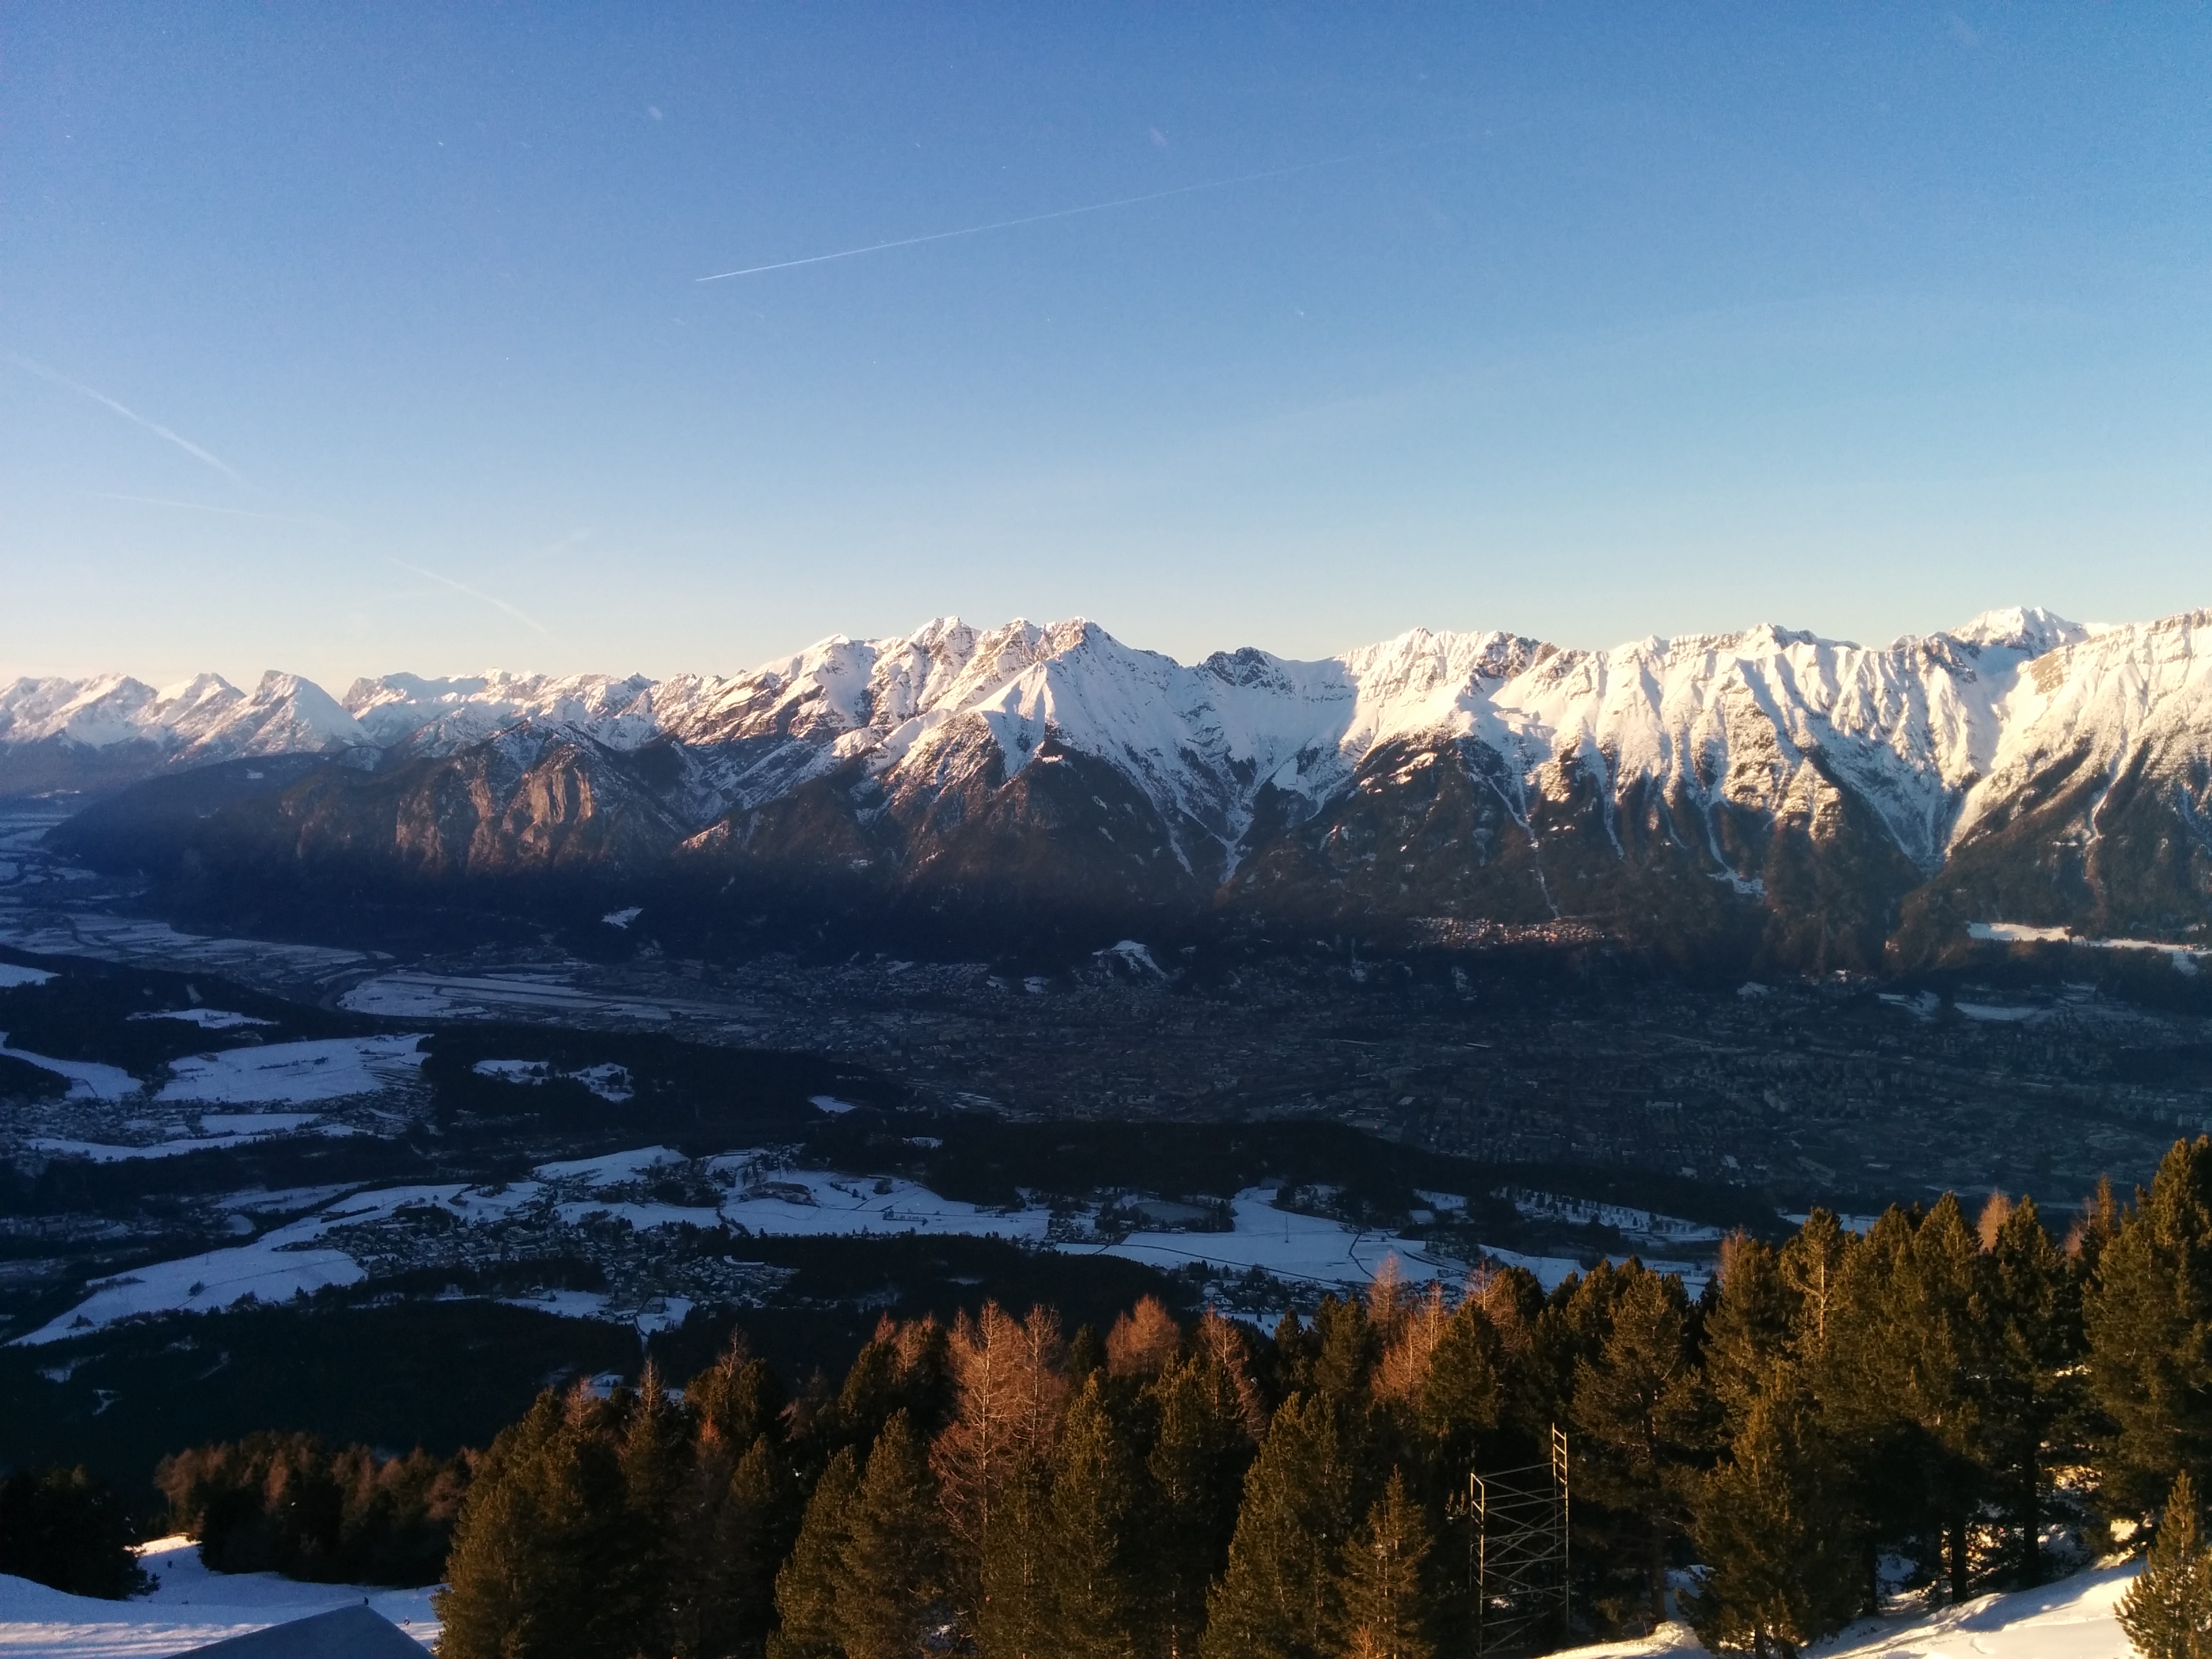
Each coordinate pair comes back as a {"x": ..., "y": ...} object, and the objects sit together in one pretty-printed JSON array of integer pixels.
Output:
[{"x": 1800, "y": 796}]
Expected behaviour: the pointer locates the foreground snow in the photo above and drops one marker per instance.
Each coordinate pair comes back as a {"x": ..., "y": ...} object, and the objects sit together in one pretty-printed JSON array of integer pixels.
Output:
[
  {"x": 189, "y": 1607},
  {"x": 2073, "y": 1619}
]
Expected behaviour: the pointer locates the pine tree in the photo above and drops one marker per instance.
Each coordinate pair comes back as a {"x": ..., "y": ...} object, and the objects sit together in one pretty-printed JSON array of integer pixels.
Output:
[
  {"x": 732, "y": 1541},
  {"x": 1782, "y": 1566},
  {"x": 1276, "y": 1601},
  {"x": 541, "y": 1559},
  {"x": 1640, "y": 1409},
  {"x": 2034, "y": 1300},
  {"x": 2148, "y": 1308},
  {"x": 1748, "y": 1329},
  {"x": 1462, "y": 1396},
  {"x": 1904, "y": 1381},
  {"x": 1385, "y": 1608},
  {"x": 893, "y": 1553},
  {"x": 1346, "y": 1348},
  {"x": 1091, "y": 1557},
  {"x": 2167, "y": 1611},
  {"x": 807, "y": 1585},
  {"x": 654, "y": 1456}
]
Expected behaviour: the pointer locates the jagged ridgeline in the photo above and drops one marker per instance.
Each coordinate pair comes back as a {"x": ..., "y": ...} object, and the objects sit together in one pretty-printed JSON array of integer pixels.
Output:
[{"x": 1761, "y": 798}]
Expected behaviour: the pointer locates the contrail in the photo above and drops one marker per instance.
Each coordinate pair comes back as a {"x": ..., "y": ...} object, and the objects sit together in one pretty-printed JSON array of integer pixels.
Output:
[
  {"x": 475, "y": 593},
  {"x": 131, "y": 415},
  {"x": 209, "y": 507},
  {"x": 1067, "y": 213}
]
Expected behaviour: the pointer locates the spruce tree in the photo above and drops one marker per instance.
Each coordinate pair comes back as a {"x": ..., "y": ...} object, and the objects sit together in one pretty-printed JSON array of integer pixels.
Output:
[
  {"x": 2167, "y": 1611},
  {"x": 739, "y": 1397},
  {"x": 1277, "y": 1598},
  {"x": 806, "y": 1586},
  {"x": 1196, "y": 1466},
  {"x": 1013, "y": 1612},
  {"x": 1091, "y": 1557},
  {"x": 1782, "y": 1566},
  {"x": 1384, "y": 1608},
  {"x": 893, "y": 1555}
]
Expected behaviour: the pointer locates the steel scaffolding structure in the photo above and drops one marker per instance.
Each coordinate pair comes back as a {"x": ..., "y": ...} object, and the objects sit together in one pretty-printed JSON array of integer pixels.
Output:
[{"x": 1516, "y": 1522}]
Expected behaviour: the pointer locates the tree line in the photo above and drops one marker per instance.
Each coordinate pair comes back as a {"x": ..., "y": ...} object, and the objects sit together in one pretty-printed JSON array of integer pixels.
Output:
[{"x": 1939, "y": 1389}]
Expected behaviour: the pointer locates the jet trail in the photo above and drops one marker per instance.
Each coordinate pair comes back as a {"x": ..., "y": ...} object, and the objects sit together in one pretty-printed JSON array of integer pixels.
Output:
[
  {"x": 154, "y": 426},
  {"x": 492, "y": 600},
  {"x": 1058, "y": 213}
]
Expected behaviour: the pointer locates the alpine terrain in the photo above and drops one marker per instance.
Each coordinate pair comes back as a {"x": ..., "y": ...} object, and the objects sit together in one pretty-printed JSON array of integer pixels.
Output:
[{"x": 1766, "y": 797}]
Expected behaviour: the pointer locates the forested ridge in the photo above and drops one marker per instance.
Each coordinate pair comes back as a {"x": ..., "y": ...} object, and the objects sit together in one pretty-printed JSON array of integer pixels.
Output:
[{"x": 1941, "y": 1398}]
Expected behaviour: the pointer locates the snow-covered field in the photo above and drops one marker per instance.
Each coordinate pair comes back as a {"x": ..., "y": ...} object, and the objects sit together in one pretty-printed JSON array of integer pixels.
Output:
[
  {"x": 763, "y": 1196},
  {"x": 189, "y": 1607},
  {"x": 279, "y": 1073},
  {"x": 2073, "y": 1619}
]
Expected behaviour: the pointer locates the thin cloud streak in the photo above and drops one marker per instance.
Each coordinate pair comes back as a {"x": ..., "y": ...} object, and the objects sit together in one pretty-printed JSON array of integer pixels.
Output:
[
  {"x": 1070, "y": 213},
  {"x": 128, "y": 414},
  {"x": 496, "y": 602},
  {"x": 210, "y": 506}
]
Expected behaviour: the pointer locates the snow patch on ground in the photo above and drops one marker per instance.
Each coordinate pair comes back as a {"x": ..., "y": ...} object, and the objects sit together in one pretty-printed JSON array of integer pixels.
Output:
[
  {"x": 2184, "y": 956},
  {"x": 207, "y": 1019},
  {"x": 197, "y": 1283},
  {"x": 1997, "y": 1013},
  {"x": 189, "y": 1608},
  {"x": 89, "y": 1079},
  {"x": 2073, "y": 1619},
  {"x": 283, "y": 1072},
  {"x": 785, "y": 1202},
  {"x": 609, "y": 1082},
  {"x": 11, "y": 975}
]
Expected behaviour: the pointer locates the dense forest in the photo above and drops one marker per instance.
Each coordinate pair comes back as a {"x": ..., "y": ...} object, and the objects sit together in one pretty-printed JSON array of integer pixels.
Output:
[{"x": 1965, "y": 1403}]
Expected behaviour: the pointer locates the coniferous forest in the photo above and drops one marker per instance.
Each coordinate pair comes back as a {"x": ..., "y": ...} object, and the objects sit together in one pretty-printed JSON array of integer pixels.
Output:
[{"x": 1958, "y": 1402}]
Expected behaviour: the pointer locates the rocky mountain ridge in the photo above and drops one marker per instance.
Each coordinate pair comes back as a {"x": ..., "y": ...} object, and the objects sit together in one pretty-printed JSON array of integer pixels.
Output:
[{"x": 1766, "y": 793}]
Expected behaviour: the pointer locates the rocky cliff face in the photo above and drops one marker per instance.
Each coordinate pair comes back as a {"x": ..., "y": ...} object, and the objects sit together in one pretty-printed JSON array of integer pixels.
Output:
[{"x": 1766, "y": 795}]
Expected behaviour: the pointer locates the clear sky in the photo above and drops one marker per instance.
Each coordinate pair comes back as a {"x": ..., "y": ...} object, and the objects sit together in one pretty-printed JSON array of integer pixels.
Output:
[{"x": 349, "y": 338}]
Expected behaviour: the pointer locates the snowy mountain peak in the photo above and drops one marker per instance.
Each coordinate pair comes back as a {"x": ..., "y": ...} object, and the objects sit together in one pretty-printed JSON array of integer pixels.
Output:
[{"x": 2029, "y": 630}]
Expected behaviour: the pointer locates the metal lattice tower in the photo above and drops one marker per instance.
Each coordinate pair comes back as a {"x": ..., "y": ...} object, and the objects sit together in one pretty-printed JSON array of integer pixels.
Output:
[{"x": 1516, "y": 1522}]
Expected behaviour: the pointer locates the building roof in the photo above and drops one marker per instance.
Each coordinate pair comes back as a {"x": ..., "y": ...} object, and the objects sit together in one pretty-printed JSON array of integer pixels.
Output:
[{"x": 354, "y": 1632}]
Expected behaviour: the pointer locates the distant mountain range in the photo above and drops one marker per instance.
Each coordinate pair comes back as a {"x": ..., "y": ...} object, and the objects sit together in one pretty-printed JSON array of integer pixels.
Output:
[{"x": 1768, "y": 795}]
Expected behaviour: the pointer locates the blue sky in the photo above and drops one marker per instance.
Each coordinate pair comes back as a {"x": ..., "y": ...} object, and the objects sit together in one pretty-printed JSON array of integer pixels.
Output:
[{"x": 363, "y": 338}]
